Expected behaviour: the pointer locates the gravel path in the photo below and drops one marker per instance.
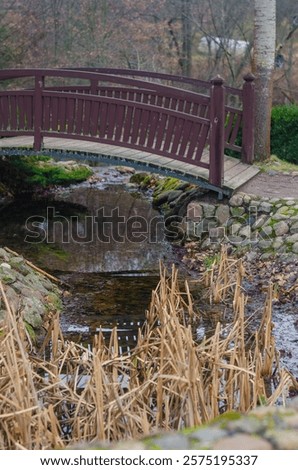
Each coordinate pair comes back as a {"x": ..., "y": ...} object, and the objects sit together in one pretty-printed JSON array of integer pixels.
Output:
[{"x": 272, "y": 184}]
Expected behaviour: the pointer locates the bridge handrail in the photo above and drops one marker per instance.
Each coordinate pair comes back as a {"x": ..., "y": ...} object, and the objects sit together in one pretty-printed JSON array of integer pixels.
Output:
[
  {"x": 9, "y": 74},
  {"x": 161, "y": 76},
  {"x": 107, "y": 74},
  {"x": 224, "y": 119},
  {"x": 146, "y": 74}
]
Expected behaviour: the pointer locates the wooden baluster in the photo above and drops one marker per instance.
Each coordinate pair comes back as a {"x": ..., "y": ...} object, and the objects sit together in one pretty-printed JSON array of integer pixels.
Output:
[{"x": 38, "y": 111}]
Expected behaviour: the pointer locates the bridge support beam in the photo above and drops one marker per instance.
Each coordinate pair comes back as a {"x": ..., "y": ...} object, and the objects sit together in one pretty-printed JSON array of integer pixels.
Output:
[
  {"x": 38, "y": 112},
  {"x": 217, "y": 130}
]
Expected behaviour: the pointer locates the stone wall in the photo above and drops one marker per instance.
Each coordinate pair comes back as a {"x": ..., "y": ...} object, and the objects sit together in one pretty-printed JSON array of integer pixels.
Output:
[
  {"x": 243, "y": 221},
  {"x": 31, "y": 295}
]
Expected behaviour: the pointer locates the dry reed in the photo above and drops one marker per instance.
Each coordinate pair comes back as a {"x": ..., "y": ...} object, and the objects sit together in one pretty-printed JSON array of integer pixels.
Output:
[{"x": 169, "y": 381}]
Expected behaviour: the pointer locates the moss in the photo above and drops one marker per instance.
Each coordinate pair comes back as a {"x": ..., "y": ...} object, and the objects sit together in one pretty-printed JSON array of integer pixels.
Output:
[
  {"x": 150, "y": 444},
  {"x": 166, "y": 184},
  {"x": 53, "y": 250},
  {"x": 139, "y": 178},
  {"x": 226, "y": 417},
  {"x": 239, "y": 212},
  {"x": 30, "y": 331},
  {"x": 144, "y": 180},
  {"x": 21, "y": 172},
  {"x": 53, "y": 302}
]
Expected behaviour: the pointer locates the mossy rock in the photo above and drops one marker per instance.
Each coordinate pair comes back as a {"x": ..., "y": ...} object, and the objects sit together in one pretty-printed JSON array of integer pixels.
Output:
[
  {"x": 226, "y": 417},
  {"x": 20, "y": 173},
  {"x": 53, "y": 302},
  {"x": 139, "y": 178},
  {"x": 166, "y": 184}
]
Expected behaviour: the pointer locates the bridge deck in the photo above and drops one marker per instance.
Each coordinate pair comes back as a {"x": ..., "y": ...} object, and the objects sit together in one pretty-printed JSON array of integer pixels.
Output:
[{"x": 236, "y": 173}]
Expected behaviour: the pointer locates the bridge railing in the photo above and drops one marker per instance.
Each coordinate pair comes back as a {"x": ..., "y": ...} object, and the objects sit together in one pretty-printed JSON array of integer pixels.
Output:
[{"x": 112, "y": 106}]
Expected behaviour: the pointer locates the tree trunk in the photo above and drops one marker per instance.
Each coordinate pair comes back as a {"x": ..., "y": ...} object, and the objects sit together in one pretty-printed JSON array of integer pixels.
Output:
[
  {"x": 186, "y": 37},
  {"x": 263, "y": 68}
]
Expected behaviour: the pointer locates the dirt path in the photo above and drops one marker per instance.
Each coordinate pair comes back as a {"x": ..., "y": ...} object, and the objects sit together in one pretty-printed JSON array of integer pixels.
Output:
[{"x": 272, "y": 184}]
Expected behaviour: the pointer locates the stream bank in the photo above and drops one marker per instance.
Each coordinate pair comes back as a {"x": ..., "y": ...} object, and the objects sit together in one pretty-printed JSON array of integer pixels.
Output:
[{"x": 32, "y": 296}]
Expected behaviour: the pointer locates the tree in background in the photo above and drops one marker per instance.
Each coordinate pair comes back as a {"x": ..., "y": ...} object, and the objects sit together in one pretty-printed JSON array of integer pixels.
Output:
[
  {"x": 263, "y": 68},
  {"x": 165, "y": 36}
]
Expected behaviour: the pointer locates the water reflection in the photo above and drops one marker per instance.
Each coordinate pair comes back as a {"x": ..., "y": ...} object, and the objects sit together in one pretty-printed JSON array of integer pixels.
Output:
[
  {"x": 104, "y": 242},
  {"x": 88, "y": 230}
]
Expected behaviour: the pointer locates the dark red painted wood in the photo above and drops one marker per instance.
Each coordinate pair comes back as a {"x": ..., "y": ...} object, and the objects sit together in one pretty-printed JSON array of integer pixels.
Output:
[
  {"x": 54, "y": 105},
  {"x": 236, "y": 127},
  {"x": 70, "y": 114},
  {"x": 79, "y": 116},
  {"x": 38, "y": 111},
  {"x": 4, "y": 112},
  {"x": 115, "y": 106},
  {"x": 217, "y": 119},
  {"x": 62, "y": 114},
  {"x": 248, "y": 99}
]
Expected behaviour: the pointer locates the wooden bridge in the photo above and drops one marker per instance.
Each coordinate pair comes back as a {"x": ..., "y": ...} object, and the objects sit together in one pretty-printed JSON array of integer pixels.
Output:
[{"x": 161, "y": 123}]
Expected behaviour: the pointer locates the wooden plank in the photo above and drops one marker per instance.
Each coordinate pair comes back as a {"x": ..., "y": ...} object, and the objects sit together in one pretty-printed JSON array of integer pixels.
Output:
[
  {"x": 169, "y": 133},
  {"x": 229, "y": 126},
  {"x": 21, "y": 111},
  {"x": 155, "y": 160},
  {"x": 235, "y": 171},
  {"x": 231, "y": 163},
  {"x": 28, "y": 103},
  {"x": 236, "y": 128},
  {"x": 201, "y": 143},
  {"x": 13, "y": 112},
  {"x": 177, "y": 134},
  {"x": 4, "y": 112},
  {"x": 94, "y": 113},
  {"x": 54, "y": 113},
  {"x": 152, "y": 127},
  {"x": 46, "y": 113},
  {"x": 62, "y": 114},
  {"x": 11, "y": 142},
  {"x": 185, "y": 138},
  {"x": 242, "y": 178},
  {"x": 127, "y": 124},
  {"x": 194, "y": 136},
  {"x": 119, "y": 122},
  {"x": 160, "y": 131},
  {"x": 86, "y": 117},
  {"x": 111, "y": 120}
]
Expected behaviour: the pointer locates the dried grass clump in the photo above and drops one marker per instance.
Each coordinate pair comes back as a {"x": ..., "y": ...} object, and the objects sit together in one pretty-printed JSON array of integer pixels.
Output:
[{"x": 168, "y": 382}]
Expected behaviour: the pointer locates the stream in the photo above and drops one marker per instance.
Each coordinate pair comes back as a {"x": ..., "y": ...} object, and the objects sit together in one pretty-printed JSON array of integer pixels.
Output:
[{"x": 105, "y": 241}]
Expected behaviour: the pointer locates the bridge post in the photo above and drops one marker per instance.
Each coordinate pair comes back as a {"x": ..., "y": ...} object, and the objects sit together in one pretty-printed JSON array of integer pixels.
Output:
[
  {"x": 248, "y": 103},
  {"x": 38, "y": 111},
  {"x": 217, "y": 131},
  {"x": 93, "y": 86}
]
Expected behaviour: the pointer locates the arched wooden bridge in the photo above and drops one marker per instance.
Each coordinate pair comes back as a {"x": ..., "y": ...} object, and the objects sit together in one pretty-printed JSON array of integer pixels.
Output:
[{"x": 133, "y": 117}]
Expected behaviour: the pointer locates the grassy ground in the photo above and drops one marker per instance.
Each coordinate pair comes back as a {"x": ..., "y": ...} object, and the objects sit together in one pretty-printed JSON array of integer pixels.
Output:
[{"x": 276, "y": 164}]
